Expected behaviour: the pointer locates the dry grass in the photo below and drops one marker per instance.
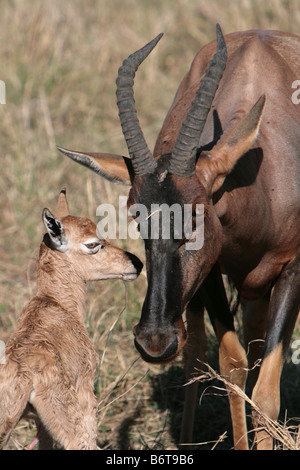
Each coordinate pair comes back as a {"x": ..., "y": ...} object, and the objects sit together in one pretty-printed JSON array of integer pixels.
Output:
[
  {"x": 285, "y": 436},
  {"x": 59, "y": 61}
]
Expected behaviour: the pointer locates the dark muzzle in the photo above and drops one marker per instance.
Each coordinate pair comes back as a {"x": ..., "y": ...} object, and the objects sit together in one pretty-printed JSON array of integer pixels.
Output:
[{"x": 160, "y": 345}]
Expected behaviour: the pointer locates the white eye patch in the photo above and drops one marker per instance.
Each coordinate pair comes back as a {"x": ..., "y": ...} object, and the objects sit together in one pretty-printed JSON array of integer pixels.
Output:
[{"x": 92, "y": 246}]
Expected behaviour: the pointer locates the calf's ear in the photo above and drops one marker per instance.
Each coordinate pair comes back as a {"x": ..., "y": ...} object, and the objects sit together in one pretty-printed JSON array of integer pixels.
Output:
[
  {"x": 55, "y": 230},
  {"x": 62, "y": 207}
]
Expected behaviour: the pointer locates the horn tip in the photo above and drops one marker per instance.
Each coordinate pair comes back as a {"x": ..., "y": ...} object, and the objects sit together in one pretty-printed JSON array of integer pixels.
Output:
[
  {"x": 220, "y": 36},
  {"x": 153, "y": 43},
  {"x": 219, "y": 29}
]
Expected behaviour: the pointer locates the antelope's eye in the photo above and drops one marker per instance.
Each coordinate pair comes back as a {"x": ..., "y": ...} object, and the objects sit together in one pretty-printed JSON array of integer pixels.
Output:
[{"x": 93, "y": 247}]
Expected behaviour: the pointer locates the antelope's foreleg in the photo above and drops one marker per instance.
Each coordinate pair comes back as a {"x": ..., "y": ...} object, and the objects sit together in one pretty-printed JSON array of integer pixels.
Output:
[
  {"x": 194, "y": 355},
  {"x": 255, "y": 313},
  {"x": 283, "y": 311},
  {"x": 234, "y": 367},
  {"x": 232, "y": 356}
]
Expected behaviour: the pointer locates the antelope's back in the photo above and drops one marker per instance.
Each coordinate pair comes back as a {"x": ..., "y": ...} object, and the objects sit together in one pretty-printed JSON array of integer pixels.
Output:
[{"x": 259, "y": 62}]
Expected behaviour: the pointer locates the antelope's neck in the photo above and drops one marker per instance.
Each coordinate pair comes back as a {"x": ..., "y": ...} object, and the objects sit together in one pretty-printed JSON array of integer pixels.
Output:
[{"x": 57, "y": 279}]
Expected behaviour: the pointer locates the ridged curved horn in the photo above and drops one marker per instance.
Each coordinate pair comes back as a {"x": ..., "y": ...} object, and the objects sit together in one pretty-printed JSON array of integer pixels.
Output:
[
  {"x": 183, "y": 159},
  {"x": 143, "y": 161}
]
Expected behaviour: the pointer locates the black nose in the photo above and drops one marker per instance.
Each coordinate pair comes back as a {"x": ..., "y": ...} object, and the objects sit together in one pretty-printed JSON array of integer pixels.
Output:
[
  {"x": 135, "y": 261},
  {"x": 165, "y": 356}
]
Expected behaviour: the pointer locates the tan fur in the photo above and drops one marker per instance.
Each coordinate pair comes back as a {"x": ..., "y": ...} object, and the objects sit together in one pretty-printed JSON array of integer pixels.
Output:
[
  {"x": 233, "y": 366},
  {"x": 50, "y": 362},
  {"x": 266, "y": 395}
]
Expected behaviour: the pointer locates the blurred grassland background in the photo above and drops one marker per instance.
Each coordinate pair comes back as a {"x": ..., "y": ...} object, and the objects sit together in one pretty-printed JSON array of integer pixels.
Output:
[{"x": 59, "y": 61}]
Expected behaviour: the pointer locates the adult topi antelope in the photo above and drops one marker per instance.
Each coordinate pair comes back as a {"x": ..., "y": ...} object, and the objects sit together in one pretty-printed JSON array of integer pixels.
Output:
[{"x": 231, "y": 142}]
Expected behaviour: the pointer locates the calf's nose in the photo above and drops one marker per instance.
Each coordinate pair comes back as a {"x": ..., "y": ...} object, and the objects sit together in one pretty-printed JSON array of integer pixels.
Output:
[{"x": 138, "y": 265}]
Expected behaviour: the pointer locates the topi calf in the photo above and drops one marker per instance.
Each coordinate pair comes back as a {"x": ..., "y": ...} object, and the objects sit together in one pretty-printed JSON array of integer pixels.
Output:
[{"x": 48, "y": 368}]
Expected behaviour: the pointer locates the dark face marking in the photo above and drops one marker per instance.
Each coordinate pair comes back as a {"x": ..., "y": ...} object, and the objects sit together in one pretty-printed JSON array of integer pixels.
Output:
[{"x": 160, "y": 332}]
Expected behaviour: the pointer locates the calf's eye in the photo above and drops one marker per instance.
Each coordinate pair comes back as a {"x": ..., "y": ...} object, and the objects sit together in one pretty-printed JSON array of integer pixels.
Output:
[{"x": 93, "y": 247}]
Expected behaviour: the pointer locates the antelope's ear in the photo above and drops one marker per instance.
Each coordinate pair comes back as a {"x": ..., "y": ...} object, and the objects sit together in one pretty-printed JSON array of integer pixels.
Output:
[
  {"x": 115, "y": 168},
  {"x": 62, "y": 207},
  {"x": 55, "y": 231},
  {"x": 216, "y": 164}
]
